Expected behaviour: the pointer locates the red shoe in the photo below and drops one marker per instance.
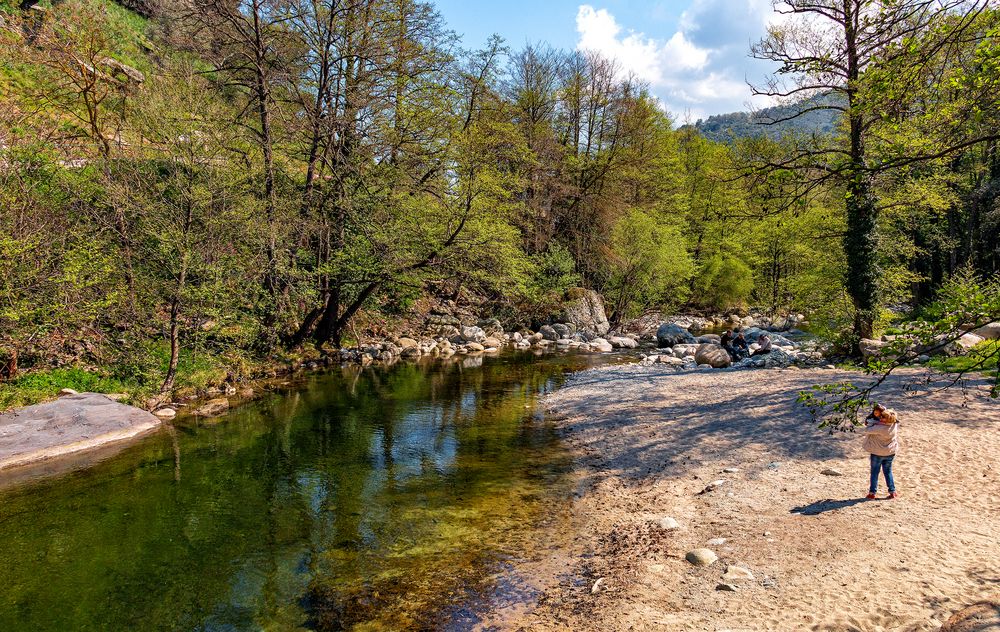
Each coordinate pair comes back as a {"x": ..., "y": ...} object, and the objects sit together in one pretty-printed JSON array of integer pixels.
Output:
[
  {"x": 870, "y": 496},
  {"x": 893, "y": 495}
]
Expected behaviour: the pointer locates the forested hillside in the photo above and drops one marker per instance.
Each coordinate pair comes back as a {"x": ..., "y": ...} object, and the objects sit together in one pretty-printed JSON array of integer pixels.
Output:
[
  {"x": 772, "y": 122},
  {"x": 218, "y": 184}
]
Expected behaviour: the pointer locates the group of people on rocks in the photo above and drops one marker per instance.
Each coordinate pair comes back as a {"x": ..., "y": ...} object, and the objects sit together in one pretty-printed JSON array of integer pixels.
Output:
[{"x": 738, "y": 347}]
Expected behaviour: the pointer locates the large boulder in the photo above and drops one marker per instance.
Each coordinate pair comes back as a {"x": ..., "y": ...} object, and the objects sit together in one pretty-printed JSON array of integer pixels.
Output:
[
  {"x": 600, "y": 344},
  {"x": 713, "y": 355},
  {"x": 777, "y": 359},
  {"x": 670, "y": 334},
  {"x": 565, "y": 330},
  {"x": 623, "y": 342},
  {"x": 585, "y": 309},
  {"x": 870, "y": 348},
  {"x": 963, "y": 345},
  {"x": 549, "y": 333},
  {"x": 989, "y": 332},
  {"x": 473, "y": 334}
]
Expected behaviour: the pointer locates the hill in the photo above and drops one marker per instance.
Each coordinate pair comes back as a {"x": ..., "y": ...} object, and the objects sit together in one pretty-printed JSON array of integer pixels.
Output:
[{"x": 734, "y": 125}]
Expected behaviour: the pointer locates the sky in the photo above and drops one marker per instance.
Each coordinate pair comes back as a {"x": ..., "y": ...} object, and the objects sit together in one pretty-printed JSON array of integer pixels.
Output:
[{"x": 693, "y": 53}]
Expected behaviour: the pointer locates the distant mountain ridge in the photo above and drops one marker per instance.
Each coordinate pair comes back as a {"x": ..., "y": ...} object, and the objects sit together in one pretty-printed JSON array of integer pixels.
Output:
[{"x": 725, "y": 128}]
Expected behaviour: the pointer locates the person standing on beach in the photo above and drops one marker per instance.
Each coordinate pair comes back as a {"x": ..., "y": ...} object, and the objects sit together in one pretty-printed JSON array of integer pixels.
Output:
[{"x": 881, "y": 442}]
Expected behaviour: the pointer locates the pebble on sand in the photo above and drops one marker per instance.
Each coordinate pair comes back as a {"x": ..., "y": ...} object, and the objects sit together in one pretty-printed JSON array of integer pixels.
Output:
[
  {"x": 737, "y": 574},
  {"x": 713, "y": 485},
  {"x": 597, "y": 587},
  {"x": 667, "y": 523},
  {"x": 701, "y": 557},
  {"x": 716, "y": 542},
  {"x": 726, "y": 587},
  {"x": 832, "y": 472}
]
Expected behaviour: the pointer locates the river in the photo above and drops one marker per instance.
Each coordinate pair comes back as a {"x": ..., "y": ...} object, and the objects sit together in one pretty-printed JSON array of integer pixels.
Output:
[{"x": 380, "y": 499}]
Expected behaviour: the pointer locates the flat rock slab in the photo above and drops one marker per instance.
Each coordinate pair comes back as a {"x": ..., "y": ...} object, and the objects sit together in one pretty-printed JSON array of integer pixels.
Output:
[{"x": 72, "y": 423}]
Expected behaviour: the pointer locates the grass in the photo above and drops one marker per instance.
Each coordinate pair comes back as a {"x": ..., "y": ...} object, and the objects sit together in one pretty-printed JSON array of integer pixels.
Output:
[
  {"x": 37, "y": 386},
  {"x": 982, "y": 357}
]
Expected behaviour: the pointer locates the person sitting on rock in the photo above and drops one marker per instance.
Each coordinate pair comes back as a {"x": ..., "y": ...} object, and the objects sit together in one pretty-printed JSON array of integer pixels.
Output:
[
  {"x": 741, "y": 346},
  {"x": 726, "y": 341},
  {"x": 765, "y": 345}
]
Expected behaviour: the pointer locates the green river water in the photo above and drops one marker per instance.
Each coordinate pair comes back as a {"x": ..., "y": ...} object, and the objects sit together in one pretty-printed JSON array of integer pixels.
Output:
[{"x": 375, "y": 499}]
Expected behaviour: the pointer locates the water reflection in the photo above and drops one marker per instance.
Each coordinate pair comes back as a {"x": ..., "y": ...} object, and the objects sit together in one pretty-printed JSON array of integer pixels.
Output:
[{"x": 380, "y": 498}]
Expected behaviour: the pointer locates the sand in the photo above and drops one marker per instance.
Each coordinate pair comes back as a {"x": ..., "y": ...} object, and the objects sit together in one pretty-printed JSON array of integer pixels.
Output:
[
  {"x": 69, "y": 425},
  {"x": 649, "y": 441}
]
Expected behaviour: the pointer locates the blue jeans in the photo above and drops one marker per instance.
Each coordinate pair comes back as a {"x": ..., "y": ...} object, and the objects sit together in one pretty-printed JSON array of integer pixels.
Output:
[{"x": 883, "y": 463}]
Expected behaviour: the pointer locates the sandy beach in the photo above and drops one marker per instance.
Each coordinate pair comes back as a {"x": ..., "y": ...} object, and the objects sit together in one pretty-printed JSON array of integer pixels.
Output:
[{"x": 649, "y": 442}]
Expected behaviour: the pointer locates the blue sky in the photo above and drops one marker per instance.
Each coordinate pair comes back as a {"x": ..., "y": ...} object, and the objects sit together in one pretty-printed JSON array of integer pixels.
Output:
[{"x": 693, "y": 53}]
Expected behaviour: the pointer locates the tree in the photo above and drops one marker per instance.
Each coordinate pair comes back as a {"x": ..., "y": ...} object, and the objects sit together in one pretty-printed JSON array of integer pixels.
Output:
[
  {"x": 650, "y": 266},
  {"x": 848, "y": 48}
]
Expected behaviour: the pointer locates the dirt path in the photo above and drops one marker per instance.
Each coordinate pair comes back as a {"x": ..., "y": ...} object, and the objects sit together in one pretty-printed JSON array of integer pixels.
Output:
[{"x": 650, "y": 440}]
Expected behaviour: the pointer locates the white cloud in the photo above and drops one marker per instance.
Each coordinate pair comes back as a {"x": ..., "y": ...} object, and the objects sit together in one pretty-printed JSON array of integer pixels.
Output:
[
  {"x": 647, "y": 58},
  {"x": 701, "y": 67}
]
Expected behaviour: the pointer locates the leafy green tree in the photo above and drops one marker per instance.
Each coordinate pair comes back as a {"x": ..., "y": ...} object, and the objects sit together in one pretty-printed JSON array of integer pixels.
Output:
[{"x": 650, "y": 266}]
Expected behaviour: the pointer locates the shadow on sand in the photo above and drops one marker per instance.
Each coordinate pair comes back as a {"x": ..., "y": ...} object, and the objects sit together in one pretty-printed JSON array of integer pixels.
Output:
[{"x": 823, "y": 506}]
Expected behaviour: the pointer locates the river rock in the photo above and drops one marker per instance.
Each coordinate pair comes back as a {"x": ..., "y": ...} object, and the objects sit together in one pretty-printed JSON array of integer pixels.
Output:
[
  {"x": 564, "y": 330},
  {"x": 491, "y": 327},
  {"x": 670, "y": 334},
  {"x": 685, "y": 350},
  {"x": 870, "y": 348},
  {"x": 713, "y": 485},
  {"x": 549, "y": 333},
  {"x": 990, "y": 331},
  {"x": 778, "y": 359},
  {"x": 165, "y": 413},
  {"x": 492, "y": 343},
  {"x": 701, "y": 557},
  {"x": 213, "y": 407},
  {"x": 964, "y": 344},
  {"x": 474, "y": 347},
  {"x": 473, "y": 334},
  {"x": 406, "y": 343},
  {"x": 584, "y": 309},
  {"x": 600, "y": 344},
  {"x": 712, "y": 355},
  {"x": 737, "y": 574},
  {"x": 622, "y": 342}
]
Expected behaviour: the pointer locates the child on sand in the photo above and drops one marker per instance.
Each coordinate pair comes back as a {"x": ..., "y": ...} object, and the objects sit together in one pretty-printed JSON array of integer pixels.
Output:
[{"x": 880, "y": 441}]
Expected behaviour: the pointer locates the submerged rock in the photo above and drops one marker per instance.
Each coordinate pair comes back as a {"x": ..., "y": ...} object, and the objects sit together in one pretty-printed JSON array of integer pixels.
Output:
[{"x": 213, "y": 407}]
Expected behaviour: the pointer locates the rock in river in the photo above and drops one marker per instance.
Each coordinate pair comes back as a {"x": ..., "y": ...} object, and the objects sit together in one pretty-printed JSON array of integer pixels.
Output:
[
  {"x": 213, "y": 407},
  {"x": 670, "y": 334}
]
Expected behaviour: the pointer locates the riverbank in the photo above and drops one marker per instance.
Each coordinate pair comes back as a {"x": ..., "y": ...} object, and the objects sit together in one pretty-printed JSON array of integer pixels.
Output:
[
  {"x": 808, "y": 552},
  {"x": 72, "y": 424}
]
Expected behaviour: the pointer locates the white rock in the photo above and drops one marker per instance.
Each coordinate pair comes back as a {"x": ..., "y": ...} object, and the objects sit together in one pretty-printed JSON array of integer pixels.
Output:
[
  {"x": 737, "y": 574},
  {"x": 701, "y": 557},
  {"x": 597, "y": 587},
  {"x": 713, "y": 485},
  {"x": 667, "y": 523},
  {"x": 67, "y": 391},
  {"x": 165, "y": 413},
  {"x": 716, "y": 542}
]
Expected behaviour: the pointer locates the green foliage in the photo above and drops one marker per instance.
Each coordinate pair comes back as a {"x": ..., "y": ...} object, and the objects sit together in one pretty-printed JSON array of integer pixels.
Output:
[
  {"x": 41, "y": 385},
  {"x": 723, "y": 282},
  {"x": 554, "y": 271},
  {"x": 650, "y": 265}
]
